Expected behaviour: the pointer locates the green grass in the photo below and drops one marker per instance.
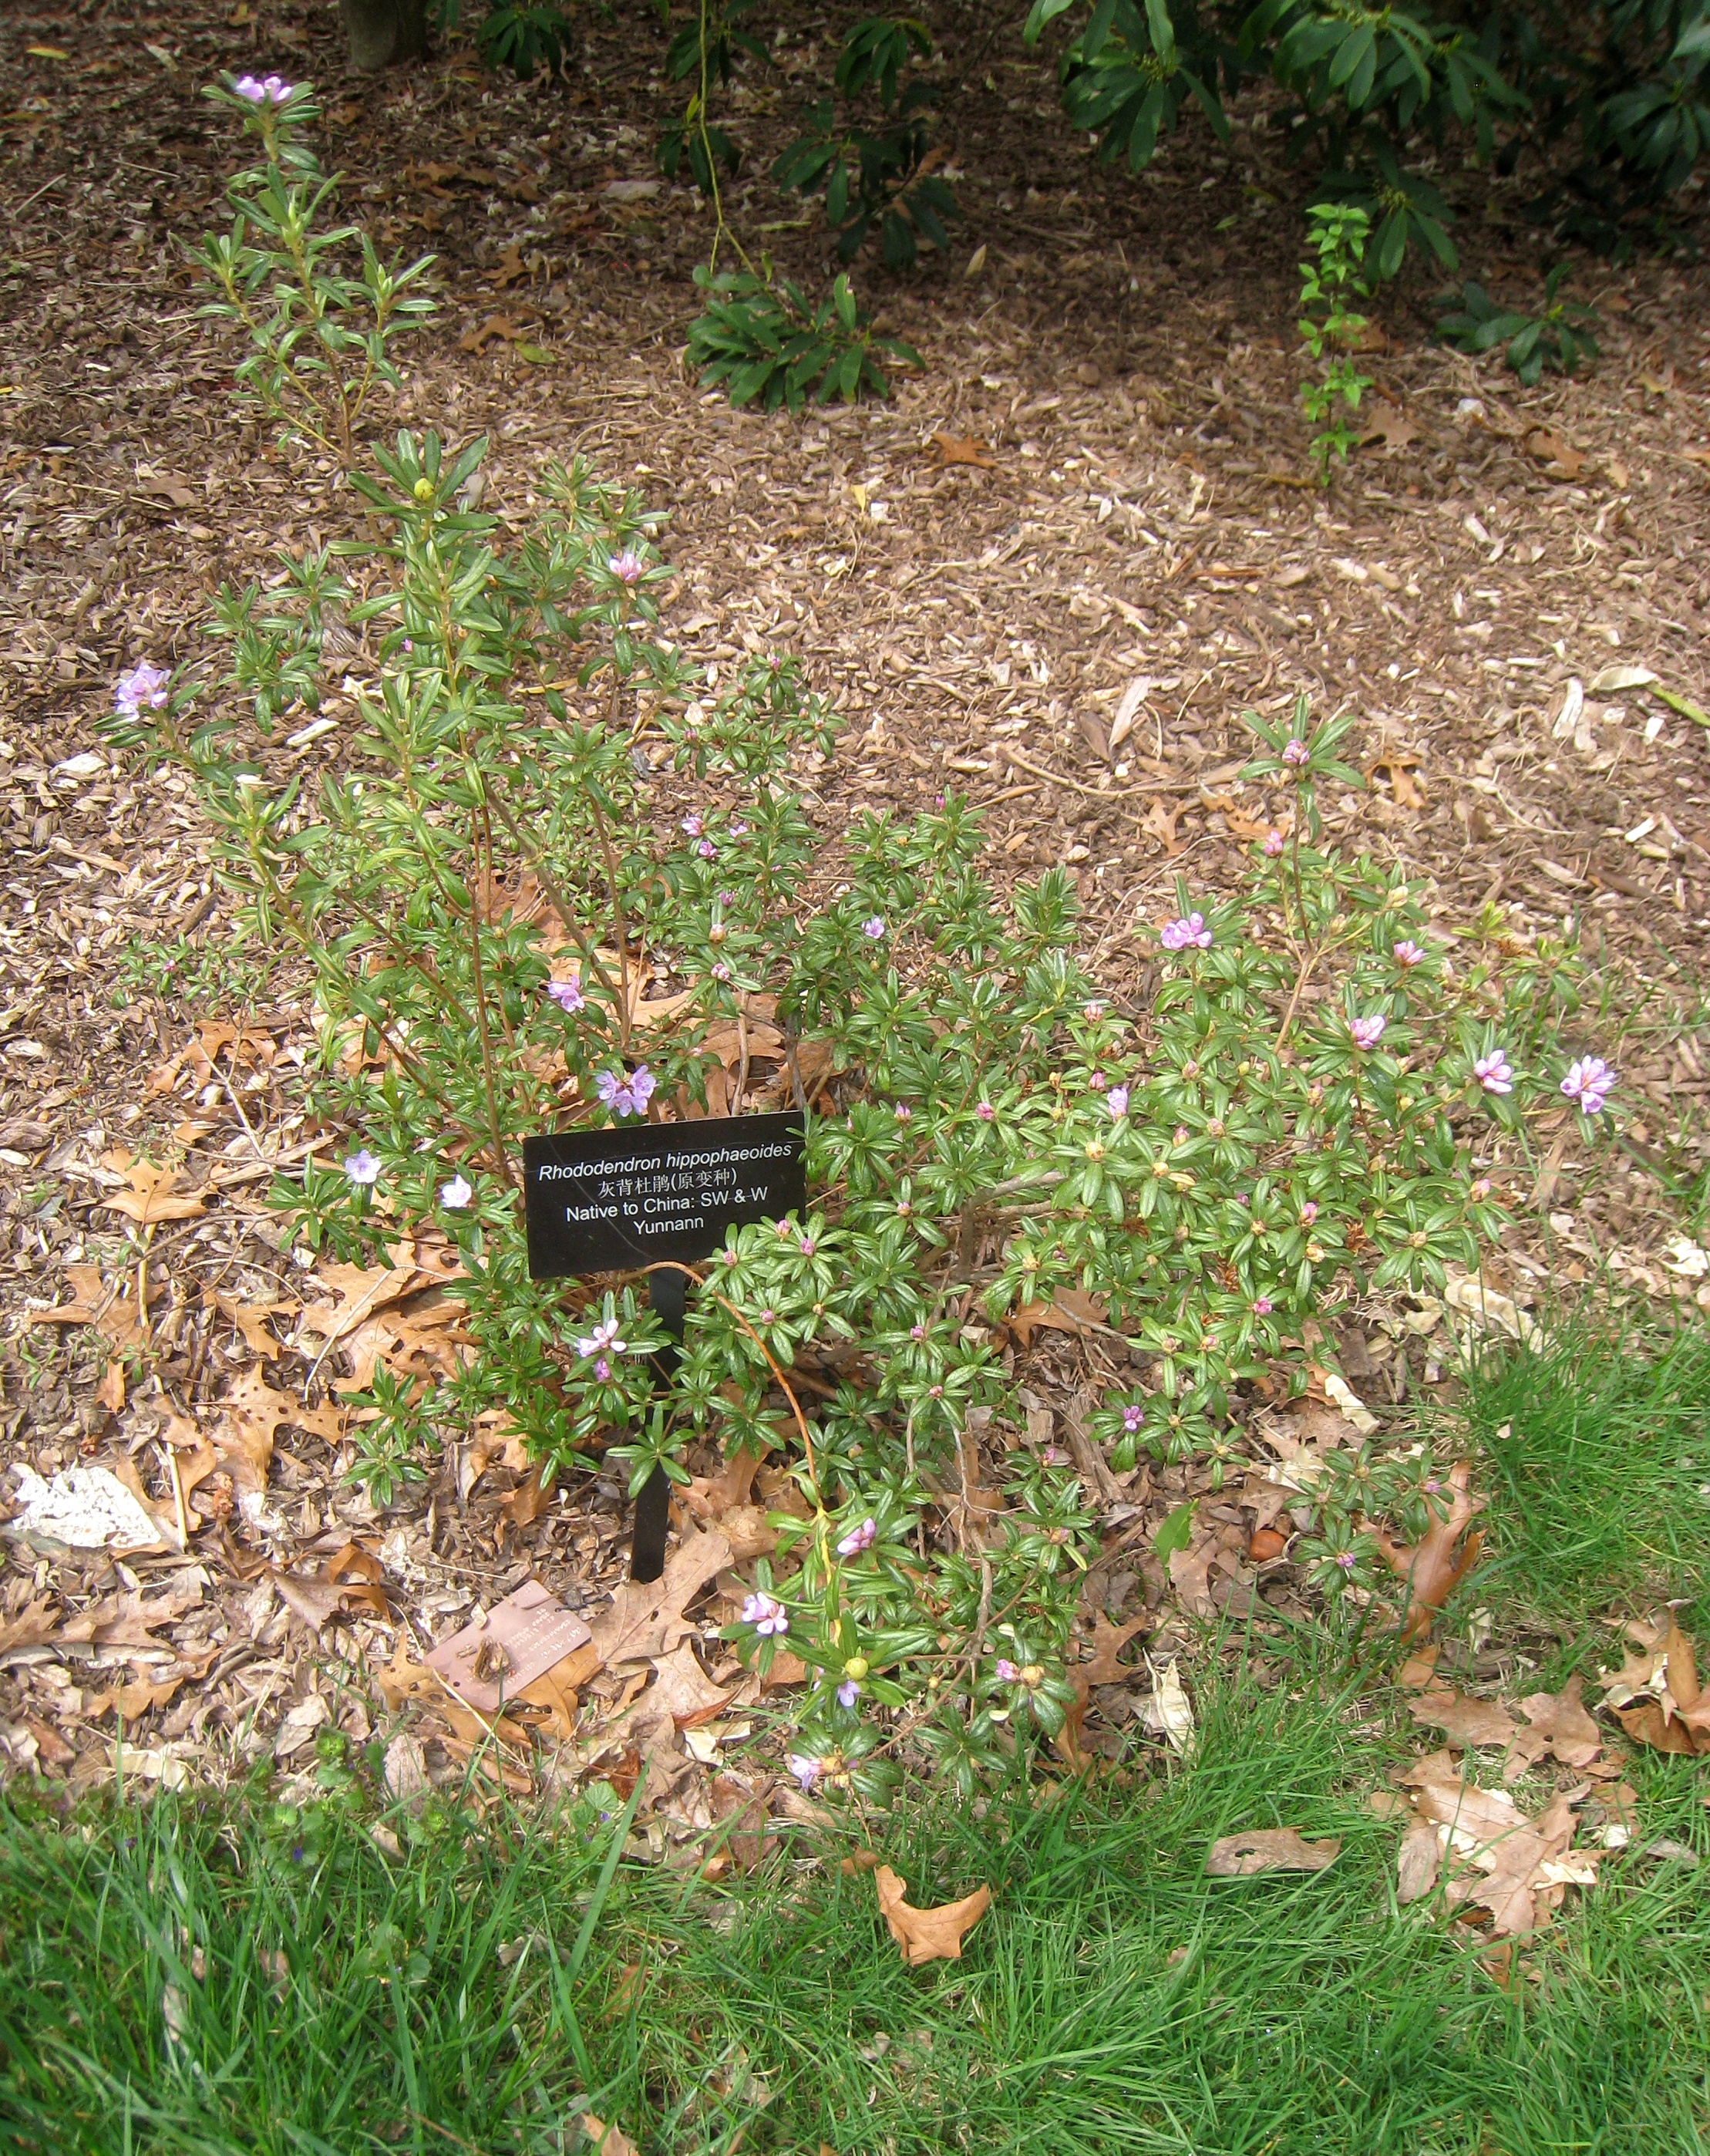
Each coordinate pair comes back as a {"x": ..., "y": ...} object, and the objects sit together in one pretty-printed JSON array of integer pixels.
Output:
[
  {"x": 1598, "y": 1465},
  {"x": 1114, "y": 1998}
]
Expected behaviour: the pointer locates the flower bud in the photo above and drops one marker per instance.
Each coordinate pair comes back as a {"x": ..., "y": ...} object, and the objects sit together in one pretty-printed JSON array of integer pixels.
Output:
[{"x": 423, "y": 490}]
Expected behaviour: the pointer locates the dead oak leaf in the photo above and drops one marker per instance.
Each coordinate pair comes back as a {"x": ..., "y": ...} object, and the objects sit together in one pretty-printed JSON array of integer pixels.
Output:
[
  {"x": 475, "y": 339},
  {"x": 963, "y": 449},
  {"x": 1269, "y": 1848},
  {"x": 1557, "y": 455},
  {"x": 1464, "y": 1722},
  {"x": 1108, "y": 1642},
  {"x": 646, "y": 1620},
  {"x": 607, "y": 2140},
  {"x": 150, "y": 1195},
  {"x": 1558, "y": 1724},
  {"x": 1386, "y": 423},
  {"x": 924, "y": 1935}
]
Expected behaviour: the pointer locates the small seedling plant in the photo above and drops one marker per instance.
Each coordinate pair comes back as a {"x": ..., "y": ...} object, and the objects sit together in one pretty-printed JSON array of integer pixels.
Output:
[
  {"x": 1298, "y": 1111},
  {"x": 1559, "y": 336},
  {"x": 1331, "y": 330}
]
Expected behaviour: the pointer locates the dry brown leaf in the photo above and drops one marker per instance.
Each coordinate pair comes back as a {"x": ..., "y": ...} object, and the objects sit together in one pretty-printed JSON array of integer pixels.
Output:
[
  {"x": 1269, "y": 1848},
  {"x": 1420, "y": 1669},
  {"x": 645, "y": 1620},
  {"x": 1190, "y": 1575},
  {"x": 530, "y": 1497},
  {"x": 33, "y": 1626},
  {"x": 350, "y": 1580},
  {"x": 111, "y": 1391},
  {"x": 251, "y": 1321},
  {"x": 111, "y": 1312},
  {"x": 495, "y": 326},
  {"x": 925, "y": 1935},
  {"x": 1557, "y": 455},
  {"x": 133, "y": 1700},
  {"x": 963, "y": 449},
  {"x": 744, "y": 1819},
  {"x": 1071, "y": 1309},
  {"x": 1442, "y": 1561},
  {"x": 1397, "y": 769},
  {"x": 607, "y": 2140},
  {"x": 1386, "y": 423},
  {"x": 1108, "y": 1642},
  {"x": 1657, "y": 1696},
  {"x": 1418, "y": 1862},
  {"x": 1161, "y": 823},
  {"x": 1497, "y": 1858},
  {"x": 1558, "y": 1724},
  {"x": 1464, "y": 1722},
  {"x": 150, "y": 1194}
]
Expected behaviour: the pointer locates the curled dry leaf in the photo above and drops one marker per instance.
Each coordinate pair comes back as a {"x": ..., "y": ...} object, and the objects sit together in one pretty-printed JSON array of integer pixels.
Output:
[
  {"x": 925, "y": 1935},
  {"x": 646, "y": 1620},
  {"x": 1442, "y": 1560},
  {"x": 1495, "y": 1857},
  {"x": 963, "y": 449},
  {"x": 150, "y": 1194},
  {"x": 1169, "y": 1712},
  {"x": 1269, "y": 1848},
  {"x": 607, "y": 2140},
  {"x": 1657, "y": 1696},
  {"x": 1071, "y": 1311}
]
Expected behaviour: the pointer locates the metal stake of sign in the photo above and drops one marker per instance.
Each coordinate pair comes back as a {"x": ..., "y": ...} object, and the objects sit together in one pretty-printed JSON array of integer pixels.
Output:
[
  {"x": 666, "y": 1290},
  {"x": 622, "y": 1200}
]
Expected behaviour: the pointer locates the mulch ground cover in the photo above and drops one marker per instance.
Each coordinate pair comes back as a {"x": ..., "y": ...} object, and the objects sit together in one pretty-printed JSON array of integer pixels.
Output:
[{"x": 1094, "y": 497}]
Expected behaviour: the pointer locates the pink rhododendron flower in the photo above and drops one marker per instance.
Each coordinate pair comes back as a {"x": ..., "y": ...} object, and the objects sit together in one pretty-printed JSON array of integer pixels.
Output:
[
  {"x": 602, "y": 1340},
  {"x": 363, "y": 1167},
  {"x": 568, "y": 994},
  {"x": 1116, "y": 1101},
  {"x": 143, "y": 685},
  {"x": 1407, "y": 952},
  {"x": 1189, "y": 931},
  {"x": 1588, "y": 1081},
  {"x": 1296, "y": 752},
  {"x": 626, "y": 1097},
  {"x": 626, "y": 566},
  {"x": 1492, "y": 1072},
  {"x": 1367, "y": 1032},
  {"x": 765, "y": 1613},
  {"x": 858, "y": 1539}
]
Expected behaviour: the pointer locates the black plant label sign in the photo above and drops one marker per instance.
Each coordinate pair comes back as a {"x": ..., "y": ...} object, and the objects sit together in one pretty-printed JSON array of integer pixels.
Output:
[{"x": 612, "y": 1200}]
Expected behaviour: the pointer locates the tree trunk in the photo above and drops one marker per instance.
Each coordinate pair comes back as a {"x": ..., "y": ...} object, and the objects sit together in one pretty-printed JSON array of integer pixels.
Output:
[{"x": 382, "y": 33}]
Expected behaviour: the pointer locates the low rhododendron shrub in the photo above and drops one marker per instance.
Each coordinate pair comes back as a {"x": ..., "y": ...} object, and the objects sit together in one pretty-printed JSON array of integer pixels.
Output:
[{"x": 510, "y": 932}]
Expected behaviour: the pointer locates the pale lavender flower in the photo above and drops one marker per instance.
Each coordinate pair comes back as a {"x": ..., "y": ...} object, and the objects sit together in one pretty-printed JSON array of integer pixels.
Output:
[
  {"x": 568, "y": 994},
  {"x": 873, "y": 928},
  {"x": 1309, "y": 1212},
  {"x": 858, "y": 1539},
  {"x": 454, "y": 1195},
  {"x": 721, "y": 972},
  {"x": 1262, "y": 1306},
  {"x": 1492, "y": 1072},
  {"x": 739, "y": 831},
  {"x": 765, "y": 1613},
  {"x": 1588, "y": 1081},
  {"x": 1116, "y": 1101},
  {"x": 986, "y": 1112},
  {"x": 1367, "y": 1032},
  {"x": 271, "y": 90},
  {"x": 626, "y": 1097},
  {"x": 1007, "y": 1671},
  {"x": 1133, "y": 1416},
  {"x": 848, "y": 1693},
  {"x": 1097, "y": 1081},
  {"x": 806, "y": 1771},
  {"x": 1094, "y": 1010},
  {"x": 362, "y": 1169},
  {"x": 602, "y": 1369},
  {"x": 1347, "y": 1560},
  {"x": 1273, "y": 841},
  {"x": 903, "y": 1112},
  {"x": 626, "y": 566},
  {"x": 602, "y": 1340},
  {"x": 1408, "y": 953},
  {"x": 143, "y": 685},
  {"x": 1189, "y": 931},
  {"x": 1296, "y": 752},
  {"x": 707, "y": 849},
  {"x": 692, "y": 825}
]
